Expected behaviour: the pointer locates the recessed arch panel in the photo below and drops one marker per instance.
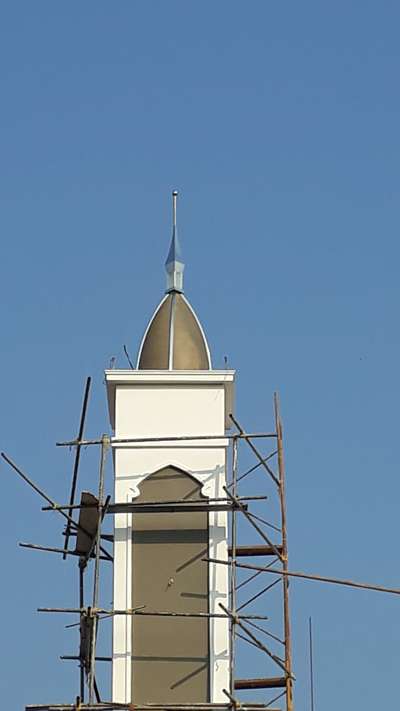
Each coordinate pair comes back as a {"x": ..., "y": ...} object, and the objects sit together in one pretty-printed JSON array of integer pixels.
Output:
[{"x": 170, "y": 655}]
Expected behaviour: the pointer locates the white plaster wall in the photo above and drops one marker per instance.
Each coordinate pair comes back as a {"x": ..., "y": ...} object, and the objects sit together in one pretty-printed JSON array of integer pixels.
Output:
[{"x": 154, "y": 411}]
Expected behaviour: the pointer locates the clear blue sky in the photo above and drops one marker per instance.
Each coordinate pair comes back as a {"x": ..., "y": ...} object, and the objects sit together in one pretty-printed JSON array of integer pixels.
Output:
[{"x": 279, "y": 125}]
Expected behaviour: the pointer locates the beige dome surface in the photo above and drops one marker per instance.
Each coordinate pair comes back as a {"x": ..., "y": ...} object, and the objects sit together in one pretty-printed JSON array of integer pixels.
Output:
[{"x": 174, "y": 339}]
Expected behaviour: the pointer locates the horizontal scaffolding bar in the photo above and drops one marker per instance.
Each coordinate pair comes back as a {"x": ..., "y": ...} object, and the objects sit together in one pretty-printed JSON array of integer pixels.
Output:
[
  {"x": 72, "y": 658},
  {"x": 110, "y": 706},
  {"x": 272, "y": 683},
  {"x": 104, "y": 536},
  {"x": 247, "y": 551},
  {"x": 48, "y": 549},
  {"x": 181, "y": 502},
  {"x": 143, "y": 440},
  {"x": 100, "y": 611},
  {"x": 194, "y": 614},
  {"x": 131, "y": 507}
]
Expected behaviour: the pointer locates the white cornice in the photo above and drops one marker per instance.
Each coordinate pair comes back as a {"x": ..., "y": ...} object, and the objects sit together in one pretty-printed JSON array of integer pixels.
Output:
[{"x": 126, "y": 376}]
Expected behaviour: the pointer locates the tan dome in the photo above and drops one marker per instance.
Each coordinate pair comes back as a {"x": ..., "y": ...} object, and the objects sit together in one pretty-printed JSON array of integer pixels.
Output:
[{"x": 174, "y": 339}]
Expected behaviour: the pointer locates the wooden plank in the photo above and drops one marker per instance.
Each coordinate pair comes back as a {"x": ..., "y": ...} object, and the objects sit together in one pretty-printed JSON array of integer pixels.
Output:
[
  {"x": 247, "y": 551},
  {"x": 271, "y": 683}
]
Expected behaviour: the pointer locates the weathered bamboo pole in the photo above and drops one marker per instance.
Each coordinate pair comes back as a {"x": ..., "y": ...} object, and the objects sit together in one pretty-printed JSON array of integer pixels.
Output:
[
  {"x": 112, "y": 705},
  {"x": 82, "y": 567},
  {"x": 285, "y": 562},
  {"x": 96, "y": 575},
  {"x": 140, "y": 506},
  {"x": 139, "y": 611},
  {"x": 232, "y": 655},
  {"x": 309, "y": 576},
  {"x": 132, "y": 440},
  {"x": 77, "y": 460},
  {"x": 49, "y": 549}
]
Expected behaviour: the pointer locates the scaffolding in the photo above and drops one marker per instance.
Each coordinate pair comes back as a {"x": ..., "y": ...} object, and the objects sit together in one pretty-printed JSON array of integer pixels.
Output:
[{"x": 248, "y": 624}]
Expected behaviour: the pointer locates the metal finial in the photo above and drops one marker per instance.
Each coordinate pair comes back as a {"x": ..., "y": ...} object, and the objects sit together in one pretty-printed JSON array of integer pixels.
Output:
[
  {"x": 174, "y": 201},
  {"x": 174, "y": 265}
]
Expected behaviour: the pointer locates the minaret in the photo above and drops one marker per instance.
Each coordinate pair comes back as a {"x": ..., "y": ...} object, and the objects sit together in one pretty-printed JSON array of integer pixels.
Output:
[{"x": 169, "y": 419}]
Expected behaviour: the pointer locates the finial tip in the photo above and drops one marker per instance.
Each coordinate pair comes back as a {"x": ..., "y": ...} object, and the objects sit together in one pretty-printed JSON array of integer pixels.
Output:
[{"x": 174, "y": 264}]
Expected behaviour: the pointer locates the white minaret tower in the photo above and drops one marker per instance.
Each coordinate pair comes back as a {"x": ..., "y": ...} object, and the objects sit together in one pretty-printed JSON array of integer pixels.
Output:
[{"x": 169, "y": 419}]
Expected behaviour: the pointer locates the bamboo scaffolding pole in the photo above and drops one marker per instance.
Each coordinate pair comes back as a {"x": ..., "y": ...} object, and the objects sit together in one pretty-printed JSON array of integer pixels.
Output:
[
  {"x": 185, "y": 438},
  {"x": 112, "y": 705},
  {"x": 82, "y": 568},
  {"x": 138, "y": 611},
  {"x": 49, "y": 549},
  {"x": 232, "y": 624},
  {"x": 196, "y": 614},
  {"x": 76, "y": 658},
  {"x": 148, "y": 504},
  {"x": 96, "y": 575},
  {"x": 285, "y": 562},
  {"x": 309, "y": 576},
  {"x": 144, "y": 508},
  {"x": 77, "y": 459}
]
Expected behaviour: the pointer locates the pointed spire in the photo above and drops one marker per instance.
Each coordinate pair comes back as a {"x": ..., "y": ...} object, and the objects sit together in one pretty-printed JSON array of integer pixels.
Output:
[{"x": 174, "y": 265}]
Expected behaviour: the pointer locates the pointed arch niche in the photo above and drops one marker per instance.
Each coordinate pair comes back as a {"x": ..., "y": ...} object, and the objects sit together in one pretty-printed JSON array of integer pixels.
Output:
[
  {"x": 207, "y": 479},
  {"x": 169, "y": 575}
]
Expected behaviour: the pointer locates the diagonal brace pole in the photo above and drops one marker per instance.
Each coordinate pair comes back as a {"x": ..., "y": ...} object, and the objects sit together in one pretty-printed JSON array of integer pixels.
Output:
[{"x": 77, "y": 459}]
